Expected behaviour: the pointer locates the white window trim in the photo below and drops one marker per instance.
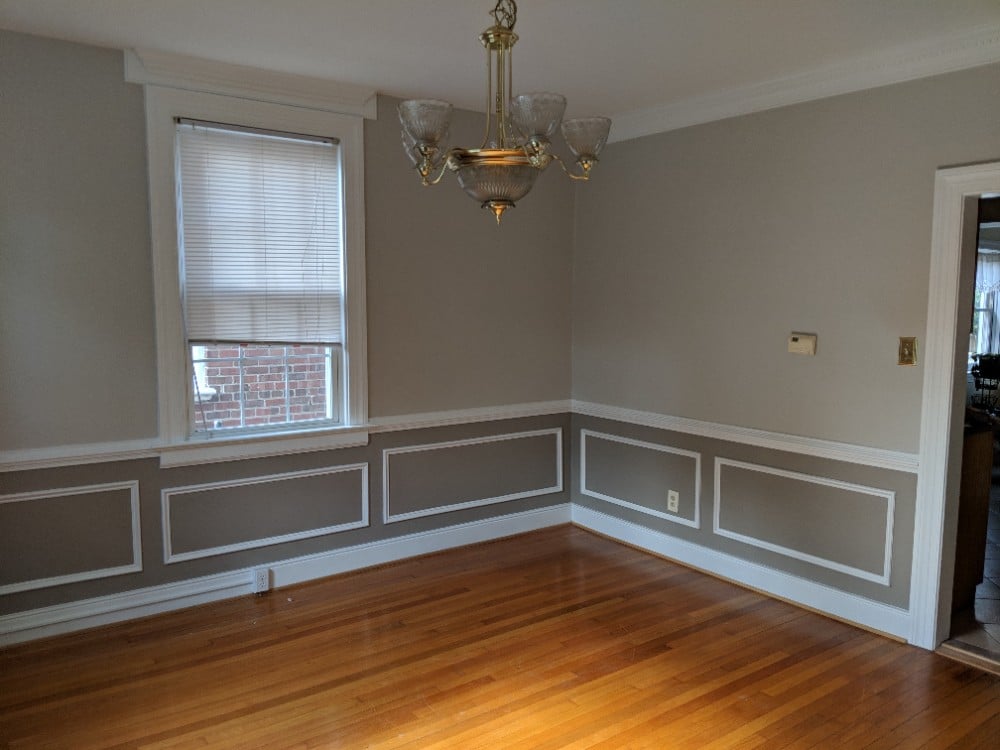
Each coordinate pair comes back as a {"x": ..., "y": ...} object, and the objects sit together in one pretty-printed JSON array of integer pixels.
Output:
[{"x": 163, "y": 106}]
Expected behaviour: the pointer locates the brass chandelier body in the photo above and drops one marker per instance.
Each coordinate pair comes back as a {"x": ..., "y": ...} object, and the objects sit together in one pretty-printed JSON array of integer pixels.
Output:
[{"x": 516, "y": 143}]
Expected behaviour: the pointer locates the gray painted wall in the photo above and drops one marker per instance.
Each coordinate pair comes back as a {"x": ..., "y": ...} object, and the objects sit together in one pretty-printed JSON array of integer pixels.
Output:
[
  {"x": 77, "y": 358},
  {"x": 460, "y": 313},
  {"x": 698, "y": 252},
  {"x": 682, "y": 266}
]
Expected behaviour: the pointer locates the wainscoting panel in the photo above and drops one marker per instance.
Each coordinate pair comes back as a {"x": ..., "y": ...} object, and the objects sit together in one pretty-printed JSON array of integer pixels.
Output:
[
  {"x": 836, "y": 525},
  {"x": 59, "y": 536},
  {"x": 426, "y": 480},
  {"x": 637, "y": 474},
  {"x": 221, "y": 517}
]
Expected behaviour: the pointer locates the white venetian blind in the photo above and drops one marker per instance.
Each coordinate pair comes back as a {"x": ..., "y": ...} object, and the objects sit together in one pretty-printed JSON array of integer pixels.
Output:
[{"x": 260, "y": 231}]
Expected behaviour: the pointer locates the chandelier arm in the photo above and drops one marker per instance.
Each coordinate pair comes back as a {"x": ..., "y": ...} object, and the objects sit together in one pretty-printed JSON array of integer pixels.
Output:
[
  {"x": 572, "y": 175},
  {"x": 442, "y": 167}
]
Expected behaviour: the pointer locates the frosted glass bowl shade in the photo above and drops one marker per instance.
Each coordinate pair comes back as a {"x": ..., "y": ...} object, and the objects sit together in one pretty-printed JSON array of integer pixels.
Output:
[
  {"x": 492, "y": 182},
  {"x": 586, "y": 136},
  {"x": 426, "y": 120},
  {"x": 537, "y": 114}
]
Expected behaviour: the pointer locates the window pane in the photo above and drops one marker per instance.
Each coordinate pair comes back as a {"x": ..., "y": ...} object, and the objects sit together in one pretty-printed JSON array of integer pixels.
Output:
[{"x": 238, "y": 386}]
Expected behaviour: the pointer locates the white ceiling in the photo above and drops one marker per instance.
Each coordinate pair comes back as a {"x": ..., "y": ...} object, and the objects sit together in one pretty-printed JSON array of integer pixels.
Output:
[{"x": 611, "y": 57}]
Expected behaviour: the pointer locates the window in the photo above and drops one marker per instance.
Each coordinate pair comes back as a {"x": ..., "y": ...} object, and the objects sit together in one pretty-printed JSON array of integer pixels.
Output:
[
  {"x": 258, "y": 218},
  {"x": 260, "y": 252}
]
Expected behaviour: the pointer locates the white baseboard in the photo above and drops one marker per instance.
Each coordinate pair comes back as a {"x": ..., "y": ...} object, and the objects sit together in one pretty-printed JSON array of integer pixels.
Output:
[
  {"x": 865, "y": 612},
  {"x": 89, "y": 613}
]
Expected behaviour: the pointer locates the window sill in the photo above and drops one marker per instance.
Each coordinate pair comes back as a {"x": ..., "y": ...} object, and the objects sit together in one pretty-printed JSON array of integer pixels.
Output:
[{"x": 201, "y": 450}]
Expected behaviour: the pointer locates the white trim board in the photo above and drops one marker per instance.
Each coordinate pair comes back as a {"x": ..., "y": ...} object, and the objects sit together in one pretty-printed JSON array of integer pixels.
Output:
[
  {"x": 66, "y": 618},
  {"x": 828, "y": 449},
  {"x": 951, "y": 189},
  {"x": 169, "y": 557},
  {"x": 962, "y": 50},
  {"x": 86, "y": 575},
  {"x": 865, "y": 612},
  {"x": 694, "y": 523},
  {"x": 389, "y": 517},
  {"x": 888, "y": 495},
  {"x": 452, "y": 417},
  {"x": 272, "y": 445},
  {"x": 70, "y": 455}
]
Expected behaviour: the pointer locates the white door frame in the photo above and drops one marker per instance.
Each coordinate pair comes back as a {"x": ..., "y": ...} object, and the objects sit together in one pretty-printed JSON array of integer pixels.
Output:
[{"x": 952, "y": 187}]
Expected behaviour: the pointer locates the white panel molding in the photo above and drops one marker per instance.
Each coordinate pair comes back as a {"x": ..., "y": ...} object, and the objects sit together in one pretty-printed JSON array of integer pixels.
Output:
[
  {"x": 904, "y": 63},
  {"x": 389, "y": 517},
  {"x": 146, "y": 66},
  {"x": 467, "y": 416},
  {"x": 865, "y": 612},
  {"x": 694, "y": 523},
  {"x": 889, "y": 496},
  {"x": 169, "y": 556},
  {"x": 833, "y": 451},
  {"x": 65, "y": 618},
  {"x": 952, "y": 187},
  {"x": 85, "y": 575}
]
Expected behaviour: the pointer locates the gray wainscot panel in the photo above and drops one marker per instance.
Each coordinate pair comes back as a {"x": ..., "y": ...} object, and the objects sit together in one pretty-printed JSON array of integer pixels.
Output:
[
  {"x": 837, "y": 525},
  {"x": 640, "y": 475},
  {"x": 66, "y": 535},
  {"x": 845, "y": 525},
  {"x": 228, "y": 516},
  {"x": 424, "y": 480}
]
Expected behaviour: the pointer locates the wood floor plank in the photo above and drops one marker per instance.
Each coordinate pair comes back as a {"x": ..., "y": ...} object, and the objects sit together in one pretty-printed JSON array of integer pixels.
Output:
[{"x": 554, "y": 640}]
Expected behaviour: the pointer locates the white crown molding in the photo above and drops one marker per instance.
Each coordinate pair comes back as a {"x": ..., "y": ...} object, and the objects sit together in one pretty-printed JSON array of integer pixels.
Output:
[
  {"x": 904, "y": 63},
  {"x": 833, "y": 451},
  {"x": 154, "y": 67},
  {"x": 65, "y": 618},
  {"x": 870, "y": 614}
]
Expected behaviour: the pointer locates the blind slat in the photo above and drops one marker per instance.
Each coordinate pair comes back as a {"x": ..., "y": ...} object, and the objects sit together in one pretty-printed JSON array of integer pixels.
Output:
[{"x": 261, "y": 243}]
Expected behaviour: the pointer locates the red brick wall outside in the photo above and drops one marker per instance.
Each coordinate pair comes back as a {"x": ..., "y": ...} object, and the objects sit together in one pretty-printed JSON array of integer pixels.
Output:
[{"x": 276, "y": 384}]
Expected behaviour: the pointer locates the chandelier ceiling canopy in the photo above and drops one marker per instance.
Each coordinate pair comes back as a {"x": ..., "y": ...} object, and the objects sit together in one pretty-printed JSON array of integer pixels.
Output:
[{"x": 518, "y": 131}]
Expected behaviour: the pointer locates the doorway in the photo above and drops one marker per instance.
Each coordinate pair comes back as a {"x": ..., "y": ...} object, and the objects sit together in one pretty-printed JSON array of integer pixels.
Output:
[
  {"x": 975, "y": 619},
  {"x": 955, "y": 229}
]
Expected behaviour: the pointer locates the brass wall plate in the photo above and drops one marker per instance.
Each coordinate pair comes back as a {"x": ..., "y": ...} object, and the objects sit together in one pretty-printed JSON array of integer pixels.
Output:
[{"x": 907, "y": 350}]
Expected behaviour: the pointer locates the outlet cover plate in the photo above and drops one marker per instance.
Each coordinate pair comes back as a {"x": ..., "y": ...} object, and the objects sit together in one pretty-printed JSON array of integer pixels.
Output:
[{"x": 673, "y": 501}]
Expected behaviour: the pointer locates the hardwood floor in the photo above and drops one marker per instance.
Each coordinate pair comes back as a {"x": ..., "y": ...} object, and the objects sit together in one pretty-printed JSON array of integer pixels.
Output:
[{"x": 555, "y": 639}]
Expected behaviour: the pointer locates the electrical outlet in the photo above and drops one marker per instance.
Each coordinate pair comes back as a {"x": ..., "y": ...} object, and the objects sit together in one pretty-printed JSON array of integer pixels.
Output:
[
  {"x": 673, "y": 501},
  {"x": 261, "y": 580}
]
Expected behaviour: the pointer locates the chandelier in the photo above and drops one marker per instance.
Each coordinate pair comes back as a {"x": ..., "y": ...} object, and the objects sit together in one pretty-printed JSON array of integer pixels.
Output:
[{"x": 516, "y": 143}]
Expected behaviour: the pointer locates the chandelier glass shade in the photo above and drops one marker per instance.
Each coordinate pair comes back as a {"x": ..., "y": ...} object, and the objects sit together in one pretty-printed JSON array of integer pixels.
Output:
[{"x": 518, "y": 131}]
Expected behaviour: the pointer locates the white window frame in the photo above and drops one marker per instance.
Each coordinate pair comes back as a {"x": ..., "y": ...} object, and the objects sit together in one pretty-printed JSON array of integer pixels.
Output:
[{"x": 180, "y": 446}]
